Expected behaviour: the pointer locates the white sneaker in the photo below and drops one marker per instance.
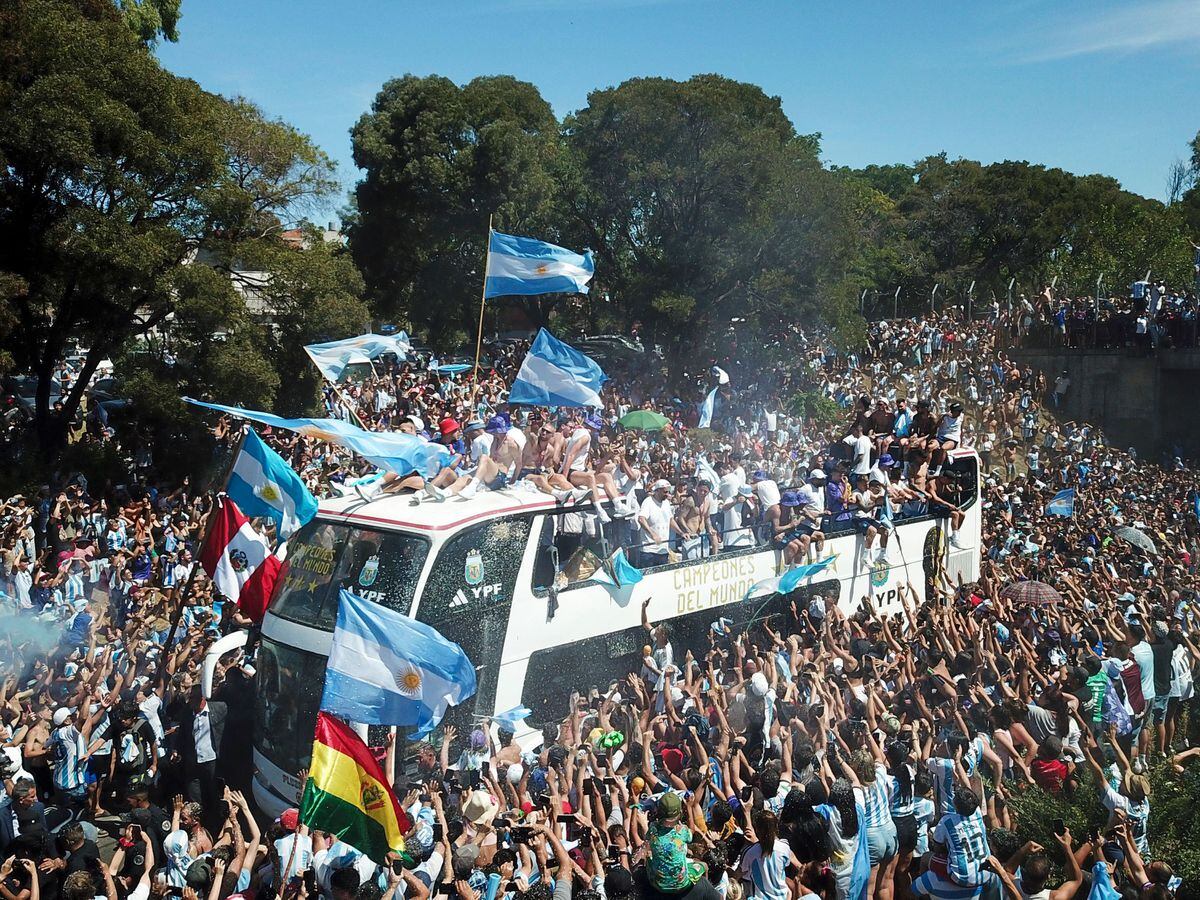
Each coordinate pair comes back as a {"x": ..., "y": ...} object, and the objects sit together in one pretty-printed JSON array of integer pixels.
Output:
[
  {"x": 562, "y": 496},
  {"x": 622, "y": 509},
  {"x": 864, "y": 558},
  {"x": 469, "y": 491},
  {"x": 581, "y": 495},
  {"x": 433, "y": 492},
  {"x": 601, "y": 512},
  {"x": 955, "y": 542}
]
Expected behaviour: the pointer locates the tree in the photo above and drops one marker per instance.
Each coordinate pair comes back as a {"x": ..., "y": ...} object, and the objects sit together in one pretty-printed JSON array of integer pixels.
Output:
[
  {"x": 152, "y": 19},
  {"x": 118, "y": 176},
  {"x": 704, "y": 205},
  {"x": 438, "y": 160}
]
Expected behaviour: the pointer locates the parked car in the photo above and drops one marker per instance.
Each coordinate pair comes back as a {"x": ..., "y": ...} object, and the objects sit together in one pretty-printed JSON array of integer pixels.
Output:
[
  {"x": 107, "y": 392},
  {"x": 20, "y": 396}
]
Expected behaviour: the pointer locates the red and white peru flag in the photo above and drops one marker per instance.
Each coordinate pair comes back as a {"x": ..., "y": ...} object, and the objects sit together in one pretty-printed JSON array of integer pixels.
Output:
[{"x": 239, "y": 561}]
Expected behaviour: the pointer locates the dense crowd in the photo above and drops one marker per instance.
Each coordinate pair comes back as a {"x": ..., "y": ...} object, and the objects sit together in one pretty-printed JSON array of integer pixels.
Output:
[
  {"x": 828, "y": 752},
  {"x": 1151, "y": 315}
]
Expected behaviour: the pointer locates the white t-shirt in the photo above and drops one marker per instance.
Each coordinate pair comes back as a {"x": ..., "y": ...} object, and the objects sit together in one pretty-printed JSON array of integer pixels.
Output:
[
  {"x": 767, "y": 492},
  {"x": 658, "y": 517},
  {"x": 950, "y": 428},
  {"x": 579, "y": 438},
  {"x": 862, "y": 453}
]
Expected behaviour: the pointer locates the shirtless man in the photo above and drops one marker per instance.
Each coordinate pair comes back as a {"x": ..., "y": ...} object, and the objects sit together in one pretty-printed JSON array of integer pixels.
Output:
[
  {"x": 692, "y": 519},
  {"x": 496, "y": 470}
]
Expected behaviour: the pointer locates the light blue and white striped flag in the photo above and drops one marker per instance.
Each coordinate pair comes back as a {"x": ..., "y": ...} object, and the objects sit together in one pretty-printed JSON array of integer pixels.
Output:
[
  {"x": 388, "y": 669},
  {"x": 333, "y": 356},
  {"x": 263, "y": 484},
  {"x": 707, "y": 408},
  {"x": 556, "y": 374},
  {"x": 525, "y": 266},
  {"x": 1062, "y": 504},
  {"x": 789, "y": 580},
  {"x": 394, "y": 451}
]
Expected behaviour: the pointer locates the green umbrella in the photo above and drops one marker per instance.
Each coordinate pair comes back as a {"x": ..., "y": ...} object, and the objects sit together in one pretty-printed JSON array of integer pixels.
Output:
[{"x": 644, "y": 420}]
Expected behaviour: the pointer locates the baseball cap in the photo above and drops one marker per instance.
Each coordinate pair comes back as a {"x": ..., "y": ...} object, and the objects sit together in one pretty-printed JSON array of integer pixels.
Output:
[
  {"x": 669, "y": 805},
  {"x": 448, "y": 426},
  {"x": 758, "y": 475},
  {"x": 417, "y": 421},
  {"x": 817, "y": 474},
  {"x": 661, "y": 484},
  {"x": 473, "y": 425},
  {"x": 61, "y": 715},
  {"x": 290, "y": 818}
]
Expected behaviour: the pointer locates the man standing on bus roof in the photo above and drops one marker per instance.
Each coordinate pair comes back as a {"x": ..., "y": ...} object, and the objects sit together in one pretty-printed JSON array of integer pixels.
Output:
[{"x": 657, "y": 521}]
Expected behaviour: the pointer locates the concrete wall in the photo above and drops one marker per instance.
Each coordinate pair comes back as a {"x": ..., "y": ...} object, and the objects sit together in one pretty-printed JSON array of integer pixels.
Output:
[{"x": 1140, "y": 401}]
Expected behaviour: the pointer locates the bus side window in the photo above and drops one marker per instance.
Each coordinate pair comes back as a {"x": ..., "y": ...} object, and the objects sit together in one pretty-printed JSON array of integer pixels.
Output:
[{"x": 579, "y": 553}]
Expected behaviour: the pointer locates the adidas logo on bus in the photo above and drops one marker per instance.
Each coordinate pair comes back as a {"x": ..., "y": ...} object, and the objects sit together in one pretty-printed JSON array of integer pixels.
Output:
[{"x": 459, "y": 599}]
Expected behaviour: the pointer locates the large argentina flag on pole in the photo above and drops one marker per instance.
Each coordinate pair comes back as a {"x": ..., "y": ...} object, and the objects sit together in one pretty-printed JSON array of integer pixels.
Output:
[
  {"x": 556, "y": 374},
  {"x": 524, "y": 266},
  {"x": 387, "y": 669}
]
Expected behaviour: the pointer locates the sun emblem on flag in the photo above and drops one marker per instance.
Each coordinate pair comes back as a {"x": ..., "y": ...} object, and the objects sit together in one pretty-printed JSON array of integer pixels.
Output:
[
  {"x": 542, "y": 269},
  {"x": 239, "y": 560},
  {"x": 408, "y": 680},
  {"x": 269, "y": 492}
]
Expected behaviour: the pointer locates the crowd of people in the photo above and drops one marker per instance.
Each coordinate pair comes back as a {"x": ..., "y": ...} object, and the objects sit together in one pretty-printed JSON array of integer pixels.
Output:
[
  {"x": 1151, "y": 315},
  {"x": 842, "y": 753}
]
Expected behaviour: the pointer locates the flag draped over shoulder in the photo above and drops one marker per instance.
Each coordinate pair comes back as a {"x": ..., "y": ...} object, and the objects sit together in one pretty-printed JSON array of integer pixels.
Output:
[
  {"x": 1062, "y": 504},
  {"x": 525, "y": 266},
  {"x": 388, "y": 669},
  {"x": 556, "y": 374},
  {"x": 348, "y": 795},
  {"x": 332, "y": 357},
  {"x": 391, "y": 451},
  {"x": 263, "y": 484},
  {"x": 239, "y": 562}
]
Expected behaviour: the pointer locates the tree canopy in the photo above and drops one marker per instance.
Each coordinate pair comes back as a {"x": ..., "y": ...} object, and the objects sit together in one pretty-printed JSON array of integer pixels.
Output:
[{"x": 120, "y": 176}]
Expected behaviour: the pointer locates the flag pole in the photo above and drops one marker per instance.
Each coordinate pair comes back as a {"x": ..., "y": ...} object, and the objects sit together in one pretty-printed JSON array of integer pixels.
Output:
[
  {"x": 187, "y": 587},
  {"x": 482, "y": 307}
]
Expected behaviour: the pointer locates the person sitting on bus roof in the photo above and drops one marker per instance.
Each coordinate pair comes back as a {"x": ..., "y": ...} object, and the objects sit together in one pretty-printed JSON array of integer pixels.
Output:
[
  {"x": 576, "y": 468},
  {"x": 941, "y": 489},
  {"x": 868, "y": 499},
  {"x": 495, "y": 471}
]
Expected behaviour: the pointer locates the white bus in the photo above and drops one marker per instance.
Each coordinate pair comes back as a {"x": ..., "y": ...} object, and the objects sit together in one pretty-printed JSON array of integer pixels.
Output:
[{"x": 499, "y": 575}]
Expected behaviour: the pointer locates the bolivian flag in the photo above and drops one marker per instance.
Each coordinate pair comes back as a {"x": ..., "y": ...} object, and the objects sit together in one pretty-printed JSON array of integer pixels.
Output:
[{"x": 347, "y": 794}]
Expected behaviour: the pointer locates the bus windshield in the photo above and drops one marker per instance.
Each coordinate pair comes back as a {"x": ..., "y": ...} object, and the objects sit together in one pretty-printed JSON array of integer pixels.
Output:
[{"x": 324, "y": 557}]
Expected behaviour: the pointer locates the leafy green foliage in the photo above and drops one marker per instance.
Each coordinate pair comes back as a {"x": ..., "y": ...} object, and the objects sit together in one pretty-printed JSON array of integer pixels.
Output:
[
  {"x": 1174, "y": 829},
  {"x": 815, "y": 409},
  {"x": 133, "y": 203},
  {"x": 439, "y": 159},
  {"x": 152, "y": 19}
]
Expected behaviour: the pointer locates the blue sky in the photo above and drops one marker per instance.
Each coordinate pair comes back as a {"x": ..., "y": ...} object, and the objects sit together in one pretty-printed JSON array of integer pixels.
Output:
[{"x": 1096, "y": 86}]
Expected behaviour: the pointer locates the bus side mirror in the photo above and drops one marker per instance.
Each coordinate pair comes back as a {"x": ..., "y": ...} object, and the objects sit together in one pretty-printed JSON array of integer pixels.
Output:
[{"x": 552, "y": 599}]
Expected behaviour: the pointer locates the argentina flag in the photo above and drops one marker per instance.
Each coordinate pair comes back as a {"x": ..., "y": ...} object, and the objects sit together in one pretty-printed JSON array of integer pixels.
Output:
[
  {"x": 556, "y": 374},
  {"x": 1062, "y": 504},
  {"x": 392, "y": 451},
  {"x": 388, "y": 669},
  {"x": 524, "y": 266},
  {"x": 263, "y": 484}
]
